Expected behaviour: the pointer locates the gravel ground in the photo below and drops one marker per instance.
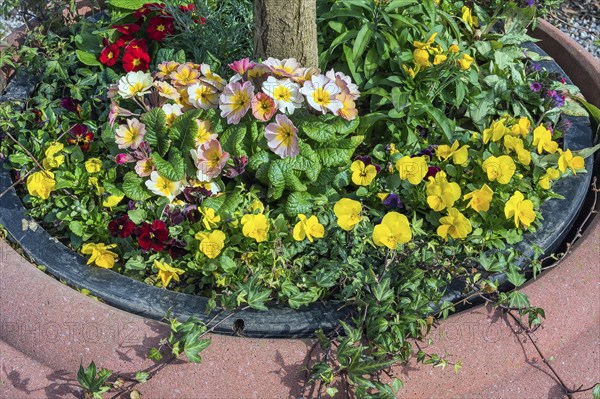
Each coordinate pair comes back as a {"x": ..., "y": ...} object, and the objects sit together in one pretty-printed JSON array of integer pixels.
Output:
[{"x": 580, "y": 19}]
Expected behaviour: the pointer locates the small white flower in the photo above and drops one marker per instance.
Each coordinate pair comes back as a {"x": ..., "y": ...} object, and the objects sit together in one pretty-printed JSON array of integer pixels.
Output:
[
  {"x": 172, "y": 111},
  {"x": 284, "y": 92},
  {"x": 162, "y": 186},
  {"x": 135, "y": 84},
  {"x": 203, "y": 96},
  {"x": 344, "y": 83},
  {"x": 321, "y": 93}
]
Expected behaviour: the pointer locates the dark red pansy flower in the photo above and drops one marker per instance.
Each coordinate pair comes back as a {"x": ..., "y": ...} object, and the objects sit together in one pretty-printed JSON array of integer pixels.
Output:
[
  {"x": 81, "y": 136},
  {"x": 176, "y": 248},
  {"x": 121, "y": 227},
  {"x": 153, "y": 236},
  {"x": 432, "y": 171},
  {"x": 110, "y": 55},
  {"x": 137, "y": 43},
  {"x": 135, "y": 59},
  {"x": 38, "y": 117},
  {"x": 68, "y": 104},
  {"x": 160, "y": 27},
  {"x": 127, "y": 29}
]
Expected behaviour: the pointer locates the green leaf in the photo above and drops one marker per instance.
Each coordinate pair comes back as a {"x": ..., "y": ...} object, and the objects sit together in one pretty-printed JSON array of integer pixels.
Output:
[
  {"x": 127, "y": 4},
  {"x": 193, "y": 346},
  {"x": 232, "y": 140},
  {"x": 586, "y": 152},
  {"x": 298, "y": 202},
  {"x": 156, "y": 130},
  {"x": 592, "y": 109},
  {"x": 518, "y": 300},
  {"x": 317, "y": 130},
  {"x": 133, "y": 187},
  {"x": 183, "y": 131},
  {"x": 77, "y": 228},
  {"x": 596, "y": 392},
  {"x": 87, "y": 58},
  {"x": 257, "y": 297},
  {"x": 371, "y": 62},
  {"x": 515, "y": 276},
  {"x": 442, "y": 121},
  {"x": 137, "y": 216},
  {"x": 154, "y": 354},
  {"x": 363, "y": 38},
  {"x": 141, "y": 376},
  {"x": 227, "y": 264},
  {"x": 173, "y": 169}
]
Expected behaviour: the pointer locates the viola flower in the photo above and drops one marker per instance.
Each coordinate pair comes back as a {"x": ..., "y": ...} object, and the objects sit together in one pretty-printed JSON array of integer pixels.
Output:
[
  {"x": 362, "y": 175},
  {"x": 394, "y": 229},
  {"x": 500, "y": 168},
  {"x": 427, "y": 44},
  {"x": 263, "y": 107},
  {"x": 153, "y": 236},
  {"x": 130, "y": 135},
  {"x": 162, "y": 186},
  {"x": 480, "y": 199},
  {"x": 308, "y": 228},
  {"x": 550, "y": 175},
  {"x": 211, "y": 244},
  {"x": 432, "y": 171},
  {"x": 121, "y": 227},
  {"x": 93, "y": 165},
  {"x": 185, "y": 75},
  {"x": 347, "y": 212},
  {"x": 204, "y": 133},
  {"x": 542, "y": 138},
  {"x": 166, "y": 272},
  {"x": 176, "y": 248},
  {"x": 390, "y": 200},
  {"x": 442, "y": 194},
  {"x": 465, "y": 61},
  {"x": 412, "y": 169},
  {"x": 468, "y": 18},
  {"x": 100, "y": 254},
  {"x": 284, "y": 92},
  {"x": 284, "y": 68},
  {"x": 522, "y": 127},
  {"x": 453, "y": 48},
  {"x": 210, "y": 159},
  {"x": 210, "y": 219},
  {"x": 110, "y": 55},
  {"x": 439, "y": 59},
  {"x": 515, "y": 144},
  {"x": 495, "y": 132},
  {"x": 81, "y": 136},
  {"x": 135, "y": 59},
  {"x": 535, "y": 87},
  {"x": 282, "y": 137},
  {"x": 235, "y": 101},
  {"x": 116, "y": 111},
  {"x": 520, "y": 209},
  {"x": 71, "y": 105},
  {"x": 127, "y": 29},
  {"x": 52, "y": 160},
  {"x": 144, "y": 167},
  {"x": 455, "y": 225},
  {"x": 348, "y": 109},
  {"x": 135, "y": 84},
  {"x": 344, "y": 82},
  {"x": 112, "y": 201},
  {"x": 567, "y": 160},
  {"x": 41, "y": 184},
  {"x": 203, "y": 96},
  {"x": 255, "y": 226},
  {"x": 421, "y": 58},
  {"x": 460, "y": 156},
  {"x": 321, "y": 94},
  {"x": 242, "y": 66},
  {"x": 238, "y": 168},
  {"x": 165, "y": 69},
  {"x": 172, "y": 111},
  {"x": 160, "y": 27},
  {"x": 165, "y": 90}
]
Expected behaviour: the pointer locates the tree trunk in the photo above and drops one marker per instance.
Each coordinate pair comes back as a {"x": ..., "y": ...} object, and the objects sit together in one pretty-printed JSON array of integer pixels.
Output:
[{"x": 286, "y": 29}]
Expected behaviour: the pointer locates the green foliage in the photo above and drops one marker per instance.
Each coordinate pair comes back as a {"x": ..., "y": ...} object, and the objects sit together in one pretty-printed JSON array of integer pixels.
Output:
[{"x": 93, "y": 381}]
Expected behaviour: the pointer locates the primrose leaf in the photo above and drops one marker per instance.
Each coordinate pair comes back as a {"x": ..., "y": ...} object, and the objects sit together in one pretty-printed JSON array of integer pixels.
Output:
[
  {"x": 173, "y": 169},
  {"x": 156, "y": 130},
  {"x": 133, "y": 187}
]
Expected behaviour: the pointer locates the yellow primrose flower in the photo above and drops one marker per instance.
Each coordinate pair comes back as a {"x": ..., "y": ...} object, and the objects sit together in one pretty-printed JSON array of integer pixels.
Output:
[
  {"x": 480, "y": 199},
  {"x": 100, "y": 254},
  {"x": 520, "y": 209},
  {"x": 440, "y": 193},
  {"x": 412, "y": 169},
  {"x": 362, "y": 175},
  {"x": 542, "y": 137},
  {"x": 211, "y": 243},
  {"x": 93, "y": 165},
  {"x": 204, "y": 132},
  {"x": 455, "y": 224},
  {"x": 465, "y": 61},
  {"x": 166, "y": 272},
  {"x": 459, "y": 156},
  {"x": 210, "y": 218},
  {"x": 567, "y": 160},
  {"x": 500, "y": 168},
  {"x": 454, "y": 48},
  {"x": 162, "y": 186},
  {"x": 426, "y": 45},
  {"x": 135, "y": 84},
  {"x": 53, "y": 161},
  {"x": 255, "y": 226},
  {"x": 394, "y": 229},
  {"x": 438, "y": 59},
  {"x": 468, "y": 17},
  {"x": 522, "y": 127},
  {"x": 421, "y": 58},
  {"x": 112, "y": 200},
  {"x": 41, "y": 184},
  {"x": 495, "y": 132},
  {"x": 308, "y": 228},
  {"x": 551, "y": 174},
  {"x": 347, "y": 212}
]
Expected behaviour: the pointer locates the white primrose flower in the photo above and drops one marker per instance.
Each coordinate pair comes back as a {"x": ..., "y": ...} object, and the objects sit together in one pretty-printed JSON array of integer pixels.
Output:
[
  {"x": 284, "y": 92},
  {"x": 321, "y": 92},
  {"x": 135, "y": 84},
  {"x": 162, "y": 186}
]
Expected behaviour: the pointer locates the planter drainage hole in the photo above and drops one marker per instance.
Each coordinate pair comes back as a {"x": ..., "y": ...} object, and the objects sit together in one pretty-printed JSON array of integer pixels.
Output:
[{"x": 238, "y": 326}]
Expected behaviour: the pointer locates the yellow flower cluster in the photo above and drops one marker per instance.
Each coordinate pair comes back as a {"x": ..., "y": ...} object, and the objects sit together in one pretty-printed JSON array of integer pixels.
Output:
[{"x": 425, "y": 50}]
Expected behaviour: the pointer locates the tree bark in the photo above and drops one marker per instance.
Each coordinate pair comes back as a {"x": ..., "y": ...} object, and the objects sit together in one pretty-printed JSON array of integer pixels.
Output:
[{"x": 286, "y": 29}]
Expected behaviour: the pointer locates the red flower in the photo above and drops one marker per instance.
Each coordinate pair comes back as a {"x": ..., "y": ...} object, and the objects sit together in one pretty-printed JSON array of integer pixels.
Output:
[
  {"x": 202, "y": 21},
  {"x": 123, "y": 40},
  {"x": 127, "y": 29},
  {"x": 137, "y": 43},
  {"x": 81, "y": 136},
  {"x": 110, "y": 55},
  {"x": 146, "y": 9},
  {"x": 153, "y": 236},
  {"x": 121, "y": 227},
  {"x": 189, "y": 7},
  {"x": 135, "y": 59},
  {"x": 160, "y": 27}
]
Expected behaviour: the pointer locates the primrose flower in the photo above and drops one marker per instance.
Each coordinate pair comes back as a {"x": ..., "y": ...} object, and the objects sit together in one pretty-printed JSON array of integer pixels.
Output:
[
  {"x": 362, "y": 175},
  {"x": 93, "y": 165},
  {"x": 202, "y": 95},
  {"x": 468, "y": 17},
  {"x": 185, "y": 75},
  {"x": 521, "y": 128},
  {"x": 242, "y": 66},
  {"x": 347, "y": 212},
  {"x": 255, "y": 226},
  {"x": 308, "y": 228},
  {"x": 348, "y": 109},
  {"x": 321, "y": 94},
  {"x": 500, "y": 168},
  {"x": 41, "y": 184},
  {"x": 100, "y": 254},
  {"x": 412, "y": 169},
  {"x": 235, "y": 101},
  {"x": 520, "y": 209},
  {"x": 421, "y": 58},
  {"x": 282, "y": 137},
  {"x": 394, "y": 229},
  {"x": 204, "y": 132},
  {"x": 550, "y": 175},
  {"x": 495, "y": 132},
  {"x": 53, "y": 161},
  {"x": 210, "y": 219},
  {"x": 166, "y": 272},
  {"x": 211, "y": 244},
  {"x": 212, "y": 78},
  {"x": 480, "y": 199},
  {"x": 165, "y": 90},
  {"x": 304, "y": 74},
  {"x": 209, "y": 159},
  {"x": 460, "y": 156},
  {"x": 442, "y": 194},
  {"x": 144, "y": 167},
  {"x": 263, "y": 107},
  {"x": 542, "y": 137},
  {"x": 456, "y": 225},
  {"x": 567, "y": 160},
  {"x": 116, "y": 111},
  {"x": 135, "y": 84},
  {"x": 130, "y": 135},
  {"x": 285, "y": 68},
  {"x": 172, "y": 111},
  {"x": 344, "y": 82},
  {"x": 284, "y": 92},
  {"x": 166, "y": 68},
  {"x": 162, "y": 186}
]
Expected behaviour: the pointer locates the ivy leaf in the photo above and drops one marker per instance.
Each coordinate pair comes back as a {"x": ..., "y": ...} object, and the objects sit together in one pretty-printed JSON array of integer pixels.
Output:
[
  {"x": 133, "y": 187},
  {"x": 515, "y": 277},
  {"x": 193, "y": 346},
  {"x": 156, "y": 130},
  {"x": 173, "y": 169},
  {"x": 154, "y": 354},
  {"x": 518, "y": 300}
]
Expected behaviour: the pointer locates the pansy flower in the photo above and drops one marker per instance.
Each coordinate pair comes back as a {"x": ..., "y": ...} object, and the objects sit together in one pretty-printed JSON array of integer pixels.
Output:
[
  {"x": 455, "y": 225},
  {"x": 152, "y": 236},
  {"x": 362, "y": 175},
  {"x": 412, "y": 169},
  {"x": 282, "y": 137},
  {"x": 394, "y": 229},
  {"x": 308, "y": 228},
  {"x": 81, "y": 136},
  {"x": 568, "y": 161},
  {"x": 166, "y": 272},
  {"x": 41, "y": 184},
  {"x": 347, "y": 212},
  {"x": 235, "y": 101},
  {"x": 100, "y": 254},
  {"x": 212, "y": 243},
  {"x": 520, "y": 209},
  {"x": 480, "y": 199},
  {"x": 542, "y": 138},
  {"x": 121, "y": 227},
  {"x": 284, "y": 92},
  {"x": 255, "y": 226},
  {"x": 500, "y": 169},
  {"x": 441, "y": 193},
  {"x": 321, "y": 94}
]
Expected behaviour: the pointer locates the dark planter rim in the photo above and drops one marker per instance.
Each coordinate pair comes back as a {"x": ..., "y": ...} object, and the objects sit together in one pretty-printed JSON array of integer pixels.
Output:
[{"x": 279, "y": 321}]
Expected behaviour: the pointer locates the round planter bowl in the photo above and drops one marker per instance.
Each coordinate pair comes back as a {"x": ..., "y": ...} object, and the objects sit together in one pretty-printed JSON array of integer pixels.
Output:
[{"x": 279, "y": 321}]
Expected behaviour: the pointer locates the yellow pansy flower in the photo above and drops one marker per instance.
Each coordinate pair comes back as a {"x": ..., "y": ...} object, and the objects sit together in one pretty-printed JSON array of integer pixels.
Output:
[
  {"x": 521, "y": 128},
  {"x": 166, "y": 272},
  {"x": 455, "y": 225},
  {"x": 210, "y": 218},
  {"x": 41, "y": 184},
  {"x": 308, "y": 228},
  {"x": 454, "y": 48},
  {"x": 542, "y": 137},
  {"x": 112, "y": 200},
  {"x": 93, "y": 182},
  {"x": 520, "y": 209},
  {"x": 468, "y": 17},
  {"x": 440, "y": 193},
  {"x": 495, "y": 132},
  {"x": 426, "y": 45},
  {"x": 347, "y": 212},
  {"x": 394, "y": 229},
  {"x": 255, "y": 226},
  {"x": 257, "y": 205},
  {"x": 567, "y": 160},
  {"x": 53, "y": 161},
  {"x": 500, "y": 168},
  {"x": 100, "y": 254},
  {"x": 480, "y": 199},
  {"x": 465, "y": 61},
  {"x": 412, "y": 169},
  {"x": 93, "y": 165},
  {"x": 211, "y": 244},
  {"x": 362, "y": 175},
  {"x": 459, "y": 156},
  {"x": 516, "y": 144},
  {"x": 551, "y": 174},
  {"x": 438, "y": 59},
  {"x": 421, "y": 58}
]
